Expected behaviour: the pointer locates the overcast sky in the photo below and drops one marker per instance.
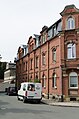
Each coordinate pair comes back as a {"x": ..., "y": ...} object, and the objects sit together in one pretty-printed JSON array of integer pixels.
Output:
[{"x": 19, "y": 19}]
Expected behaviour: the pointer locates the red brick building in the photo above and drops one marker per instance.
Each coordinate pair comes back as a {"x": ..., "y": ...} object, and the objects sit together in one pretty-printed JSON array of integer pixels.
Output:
[{"x": 53, "y": 57}]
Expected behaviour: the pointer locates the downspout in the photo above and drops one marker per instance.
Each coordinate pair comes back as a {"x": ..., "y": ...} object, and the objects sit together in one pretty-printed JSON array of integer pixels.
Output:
[
  {"x": 48, "y": 67},
  {"x": 61, "y": 79},
  {"x": 34, "y": 65},
  {"x": 28, "y": 67}
]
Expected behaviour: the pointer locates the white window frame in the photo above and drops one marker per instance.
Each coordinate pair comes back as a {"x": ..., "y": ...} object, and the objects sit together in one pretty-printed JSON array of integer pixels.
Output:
[
  {"x": 54, "y": 55},
  {"x": 73, "y": 74},
  {"x": 71, "y": 51},
  {"x": 54, "y": 31},
  {"x": 54, "y": 79},
  {"x": 44, "y": 81},
  {"x": 43, "y": 59},
  {"x": 50, "y": 33},
  {"x": 43, "y": 38},
  {"x": 37, "y": 43},
  {"x": 70, "y": 23}
]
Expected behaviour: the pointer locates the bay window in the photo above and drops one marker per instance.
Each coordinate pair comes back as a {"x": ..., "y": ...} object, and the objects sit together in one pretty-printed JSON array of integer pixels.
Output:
[
  {"x": 73, "y": 80},
  {"x": 71, "y": 51}
]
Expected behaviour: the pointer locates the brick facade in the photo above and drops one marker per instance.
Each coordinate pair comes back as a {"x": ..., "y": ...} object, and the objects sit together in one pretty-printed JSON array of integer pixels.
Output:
[{"x": 50, "y": 59}]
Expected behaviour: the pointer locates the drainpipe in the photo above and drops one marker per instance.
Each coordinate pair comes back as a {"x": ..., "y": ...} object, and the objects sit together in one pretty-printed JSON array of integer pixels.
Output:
[
  {"x": 28, "y": 64},
  {"x": 34, "y": 65},
  {"x": 61, "y": 79},
  {"x": 61, "y": 84},
  {"x": 48, "y": 67}
]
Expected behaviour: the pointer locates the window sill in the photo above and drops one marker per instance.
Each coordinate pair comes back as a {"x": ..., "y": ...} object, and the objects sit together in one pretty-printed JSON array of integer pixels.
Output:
[
  {"x": 36, "y": 67},
  {"x": 70, "y": 59},
  {"x": 73, "y": 88},
  {"x": 55, "y": 87},
  {"x": 44, "y": 87}
]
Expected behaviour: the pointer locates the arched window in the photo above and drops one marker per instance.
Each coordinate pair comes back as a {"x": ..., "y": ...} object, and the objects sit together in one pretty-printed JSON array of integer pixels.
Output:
[
  {"x": 73, "y": 80},
  {"x": 44, "y": 81},
  {"x": 36, "y": 76},
  {"x": 71, "y": 51},
  {"x": 54, "y": 81},
  {"x": 70, "y": 23}
]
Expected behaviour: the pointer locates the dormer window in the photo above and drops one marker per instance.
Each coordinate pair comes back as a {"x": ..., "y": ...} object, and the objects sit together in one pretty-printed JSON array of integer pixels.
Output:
[
  {"x": 70, "y": 23},
  {"x": 54, "y": 30},
  {"x": 50, "y": 32},
  {"x": 37, "y": 43},
  {"x": 44, "y": 38}
]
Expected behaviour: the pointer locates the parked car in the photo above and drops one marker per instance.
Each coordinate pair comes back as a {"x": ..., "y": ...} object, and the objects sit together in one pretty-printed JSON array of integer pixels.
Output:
[
  {"x": 12, "y": 91},
  {"x": 30, "y": 91},
  {"x": 6, "y": 90}
]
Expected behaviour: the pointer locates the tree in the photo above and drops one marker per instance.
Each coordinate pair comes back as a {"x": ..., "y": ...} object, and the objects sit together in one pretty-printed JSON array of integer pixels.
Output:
[{"x": 2, "y": 69}]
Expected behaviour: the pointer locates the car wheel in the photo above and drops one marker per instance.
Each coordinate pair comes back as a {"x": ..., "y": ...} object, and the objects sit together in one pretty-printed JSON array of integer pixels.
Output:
[
  {"x": 8, "y": 94},
  {"x": 24, "y": 99},
  {"x": 18, "y": 98}
]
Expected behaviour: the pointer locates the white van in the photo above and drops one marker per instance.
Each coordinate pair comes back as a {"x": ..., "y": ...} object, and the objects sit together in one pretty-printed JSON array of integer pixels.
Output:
[{"x": 30, "y": 91}]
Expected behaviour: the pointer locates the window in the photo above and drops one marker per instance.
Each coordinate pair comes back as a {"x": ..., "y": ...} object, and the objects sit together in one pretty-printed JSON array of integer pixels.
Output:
[
  {"x": 44, "y": 38},
  {"x": 26, "y": 50},
  {"x": 71, "y": 51},
  {"x": 70, "y": 23},
  {"x": 31, "y": 63},
  {"x": 50, "y": 33},
  {"x": 26, "y": 66},
  {"x": 24, "y": 87},
  {"x": 73, "y": 80},
  {"x": 43, "y": 59},
  {"x": 37, "y": 43},
  {"x": 54, "y": 55},
  {"x": 54, "y": 30},
  {"x": 36, "y": 62},
  {"x": 31, "y": 87},
  {"x": 36, "y": 76},
  {"x": 43, "y": 81},
  {"x": 54, "y": 81}
]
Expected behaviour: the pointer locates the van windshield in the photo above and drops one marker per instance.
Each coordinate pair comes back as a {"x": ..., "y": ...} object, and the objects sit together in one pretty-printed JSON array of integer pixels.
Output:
[{"x": 31, "y": 87}]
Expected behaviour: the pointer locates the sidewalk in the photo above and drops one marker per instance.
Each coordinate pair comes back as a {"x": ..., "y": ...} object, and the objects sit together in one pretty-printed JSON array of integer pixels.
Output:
[{"x": 65, "y": 104}]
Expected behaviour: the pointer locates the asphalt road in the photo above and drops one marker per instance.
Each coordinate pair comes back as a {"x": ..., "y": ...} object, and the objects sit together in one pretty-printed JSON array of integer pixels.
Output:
[{"x": 11, "y": 108}]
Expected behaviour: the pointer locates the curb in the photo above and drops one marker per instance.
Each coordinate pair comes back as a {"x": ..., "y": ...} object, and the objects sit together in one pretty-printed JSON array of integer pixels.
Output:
[
  {"x": 64, "y": 105},
  {"x": 61, "y": 104}
]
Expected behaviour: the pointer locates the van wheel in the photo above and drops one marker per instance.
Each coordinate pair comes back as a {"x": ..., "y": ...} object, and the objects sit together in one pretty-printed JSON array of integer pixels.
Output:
[
  {"x": 18, "y": 98},
  {"x": 24, "y": 99},
  {"x": 38, "y": 101}
]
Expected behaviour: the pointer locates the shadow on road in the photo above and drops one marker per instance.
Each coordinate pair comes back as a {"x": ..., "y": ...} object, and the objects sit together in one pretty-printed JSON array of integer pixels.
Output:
[
  {"x": 24, "y": 110},
  {"x": 14, "y": 110}
]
